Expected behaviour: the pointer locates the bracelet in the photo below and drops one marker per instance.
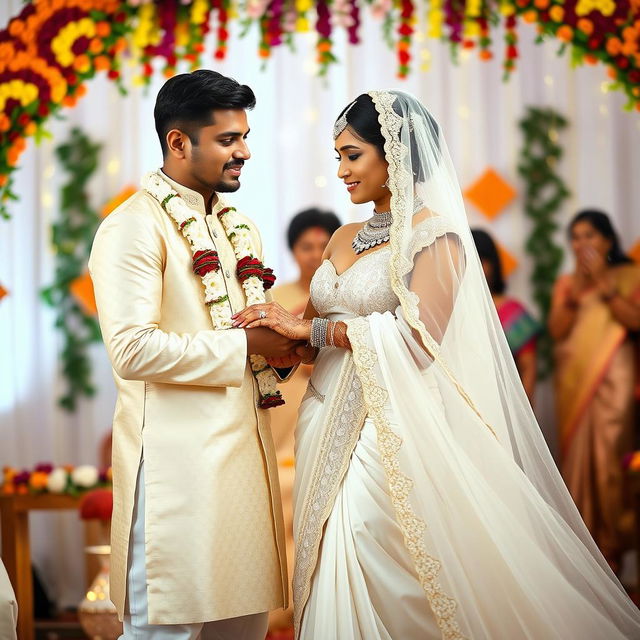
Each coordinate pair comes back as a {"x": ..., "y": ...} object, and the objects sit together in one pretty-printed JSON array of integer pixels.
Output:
[
  {"x": 318, "y": 336},
  {"x": 332, "y": 333}
]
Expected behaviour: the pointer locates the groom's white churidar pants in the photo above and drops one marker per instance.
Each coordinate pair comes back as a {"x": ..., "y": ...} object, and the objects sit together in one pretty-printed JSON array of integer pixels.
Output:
[{"x": 136, "y": 626}]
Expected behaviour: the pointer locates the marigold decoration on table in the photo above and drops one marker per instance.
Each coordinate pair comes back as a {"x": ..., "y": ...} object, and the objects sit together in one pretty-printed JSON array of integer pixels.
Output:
[
  {"x": 631, "y": 462},
  {"x": 46, "y": 478},
  {"x": 254, "y": 276},
  {"x": 52, "y": 47}
]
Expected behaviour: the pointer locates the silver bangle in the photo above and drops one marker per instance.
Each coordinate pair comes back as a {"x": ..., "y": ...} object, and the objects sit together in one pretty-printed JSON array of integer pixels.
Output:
[{"x": 318, "y": 336}]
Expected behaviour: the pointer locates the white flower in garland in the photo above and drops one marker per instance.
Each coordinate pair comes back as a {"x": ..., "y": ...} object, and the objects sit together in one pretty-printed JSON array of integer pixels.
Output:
[{"x": 206, "y": 264}]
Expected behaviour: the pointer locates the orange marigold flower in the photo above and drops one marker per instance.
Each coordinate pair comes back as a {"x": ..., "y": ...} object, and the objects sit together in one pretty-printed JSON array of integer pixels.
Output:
[
  {"x": 556, "y": 13},
  {"x": 485, "y": 54},
  {"x": 96, "y": 46},
  {"x": 38, "y": 479},
  {"x": 82, "y": 63},
  {"x": 120, "y": 45},
  {"x": 629, "y": 33},
  {"x": 5, "y": 123},
  {"x": 590, "y": 59},
  {"x": 324, "y": 47},
  {"x": 530, "y": 16},
  {"x": 81, "y": 90},
  {"x": 169, "y": 72},
  {"x": 16, "y": 27},
  {"x": 264, "y": 53},
  {"x": 629, "y": 48},
  {"x": 103, "y": 29},
  {"x": 541, "y": 4},
  {"x": 69, "y": 101},
  {"x": 565, "y": 33},
  {"x": 102, "y": 63},
  {"x": 586, "y": 26},
  {"x": 4, "y": 178},
  {"x": 30, "y": 129},
  {"x": 613, "y": 46}
]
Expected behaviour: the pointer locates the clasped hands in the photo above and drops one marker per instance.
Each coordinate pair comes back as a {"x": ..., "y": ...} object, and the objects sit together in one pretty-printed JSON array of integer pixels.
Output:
[{"x": 292, "y": 334}]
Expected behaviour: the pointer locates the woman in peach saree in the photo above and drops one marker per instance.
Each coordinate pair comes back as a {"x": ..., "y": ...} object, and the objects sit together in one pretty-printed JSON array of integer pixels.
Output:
[{"x": 593, "y": 313}]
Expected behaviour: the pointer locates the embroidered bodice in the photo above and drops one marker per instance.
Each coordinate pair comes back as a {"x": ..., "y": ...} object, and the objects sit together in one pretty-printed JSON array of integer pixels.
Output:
[{"x": 359, "y": 291}]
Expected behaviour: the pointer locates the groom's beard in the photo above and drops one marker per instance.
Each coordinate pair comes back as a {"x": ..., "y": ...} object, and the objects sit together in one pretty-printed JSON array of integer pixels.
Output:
[{"x": 232, "y": 183}]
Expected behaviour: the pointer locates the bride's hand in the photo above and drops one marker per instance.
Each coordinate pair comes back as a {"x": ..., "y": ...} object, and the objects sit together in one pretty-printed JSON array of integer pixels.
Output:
[{"x": 273, "y": 316}]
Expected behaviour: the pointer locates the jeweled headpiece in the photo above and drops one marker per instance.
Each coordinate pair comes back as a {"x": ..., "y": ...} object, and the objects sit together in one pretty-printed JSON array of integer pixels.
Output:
[{"x": 341, "y": 122}]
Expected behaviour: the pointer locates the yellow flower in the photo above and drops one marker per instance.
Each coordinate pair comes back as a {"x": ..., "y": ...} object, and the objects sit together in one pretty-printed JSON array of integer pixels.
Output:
[
  {"x": 62, "y": 43},
  {"x": 605, "y": 7},
  {"x": 199, "y": 11}
]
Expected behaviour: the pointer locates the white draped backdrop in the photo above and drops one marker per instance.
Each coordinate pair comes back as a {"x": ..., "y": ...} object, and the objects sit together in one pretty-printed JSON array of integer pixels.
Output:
[{"x": 292, "y": 167}]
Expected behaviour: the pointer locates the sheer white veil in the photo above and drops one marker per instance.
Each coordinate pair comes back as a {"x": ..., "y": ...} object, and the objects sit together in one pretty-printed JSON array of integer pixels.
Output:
[{"x": 467, "y": 444}]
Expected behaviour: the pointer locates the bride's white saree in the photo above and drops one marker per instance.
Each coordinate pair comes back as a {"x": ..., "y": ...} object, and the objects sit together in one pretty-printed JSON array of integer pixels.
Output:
[{"x": 495, "y": 542}]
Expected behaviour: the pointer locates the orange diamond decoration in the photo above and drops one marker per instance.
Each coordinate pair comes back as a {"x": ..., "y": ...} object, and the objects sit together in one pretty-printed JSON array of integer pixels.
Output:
[
  {"x": 634, "y": 252},
  {"x": 82, "y": 290},
  {"x": 3, "y": 292},
  {"x": 508, "y": 261},
  {"x": 490, "y": 193},
  {"x": 117, "y": 200}
]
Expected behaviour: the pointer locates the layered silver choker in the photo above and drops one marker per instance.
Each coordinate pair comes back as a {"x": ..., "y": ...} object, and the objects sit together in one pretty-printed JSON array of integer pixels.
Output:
[{"x": 377, "y": 230}]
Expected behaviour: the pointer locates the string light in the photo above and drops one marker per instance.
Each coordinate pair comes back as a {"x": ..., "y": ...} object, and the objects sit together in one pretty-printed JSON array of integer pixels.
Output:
[
  {"x": 113, "y": 166},
  {"x": 548, "y": 80},
  {"x": 49, "y": 172},
  {"x": 604, "y": 111},
  {"x": 47, "y": 200}
]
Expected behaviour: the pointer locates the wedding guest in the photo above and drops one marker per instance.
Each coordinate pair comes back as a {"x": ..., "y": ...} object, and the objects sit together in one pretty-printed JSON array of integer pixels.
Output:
[
  {"x": 594, "y": 311},
  {"x": 520, "y": 327}
]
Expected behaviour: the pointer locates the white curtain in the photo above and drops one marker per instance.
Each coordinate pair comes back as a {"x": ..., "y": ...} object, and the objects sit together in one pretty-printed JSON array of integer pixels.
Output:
[{"x": 292, "y": 167}]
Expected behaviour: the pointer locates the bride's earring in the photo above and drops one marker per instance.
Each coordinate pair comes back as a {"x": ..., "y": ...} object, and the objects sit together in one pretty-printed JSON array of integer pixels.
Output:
[{"x": 386, "y": 184}]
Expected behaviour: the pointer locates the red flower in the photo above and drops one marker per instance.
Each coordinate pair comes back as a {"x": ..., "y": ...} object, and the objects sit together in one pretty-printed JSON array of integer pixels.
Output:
[
  {"x": 205, "y": 261},
  {"x": 249, "y": 267},
  {"x": 271, "y": 400},
  {"x": 97, "y": 505},
  {"x": 622, "y": 62},
  {"x": 404, "y": 57},
  {"x": 268, "y": 278},
  {"x": 634, "y": 76}
]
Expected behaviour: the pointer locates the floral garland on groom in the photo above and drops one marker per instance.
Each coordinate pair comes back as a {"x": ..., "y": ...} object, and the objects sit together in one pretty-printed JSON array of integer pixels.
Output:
[{"x": 255, "y": 277}]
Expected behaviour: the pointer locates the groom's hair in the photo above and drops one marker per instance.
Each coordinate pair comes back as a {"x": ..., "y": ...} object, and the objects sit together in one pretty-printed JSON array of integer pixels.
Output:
[{"x": 187, "y": 102}]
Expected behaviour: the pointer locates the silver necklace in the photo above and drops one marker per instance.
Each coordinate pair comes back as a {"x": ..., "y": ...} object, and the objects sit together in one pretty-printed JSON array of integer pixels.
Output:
[{"x": 377, "y": 230}]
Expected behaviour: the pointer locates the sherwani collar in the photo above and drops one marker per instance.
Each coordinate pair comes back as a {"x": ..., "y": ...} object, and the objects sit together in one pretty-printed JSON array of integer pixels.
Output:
[{"x": 193, "y": 199}]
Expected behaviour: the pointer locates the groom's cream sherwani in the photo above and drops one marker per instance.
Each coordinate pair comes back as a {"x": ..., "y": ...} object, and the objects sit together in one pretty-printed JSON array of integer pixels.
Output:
[{"x": 187, "y": 405}]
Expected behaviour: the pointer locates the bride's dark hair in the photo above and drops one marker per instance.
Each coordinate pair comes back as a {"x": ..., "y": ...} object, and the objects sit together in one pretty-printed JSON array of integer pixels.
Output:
[{"x": 362, "y": 119}]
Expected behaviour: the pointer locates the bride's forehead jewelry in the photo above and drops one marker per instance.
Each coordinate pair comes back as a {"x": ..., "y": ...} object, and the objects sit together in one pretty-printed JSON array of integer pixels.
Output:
[{"x": 341, "y": 122}]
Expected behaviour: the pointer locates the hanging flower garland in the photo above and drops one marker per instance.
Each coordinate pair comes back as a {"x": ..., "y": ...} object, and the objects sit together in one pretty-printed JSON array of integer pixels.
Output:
[
  {"x": 255, "y": 277},
  {"x": 545, "y": 193},
  {"x": 52, "y": 47}
]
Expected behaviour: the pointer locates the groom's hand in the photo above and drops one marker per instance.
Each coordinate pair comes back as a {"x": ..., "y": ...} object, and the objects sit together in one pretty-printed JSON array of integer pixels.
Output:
[
  {"x": 285, "y": 362},
  {"x": 268, "y": 343}
]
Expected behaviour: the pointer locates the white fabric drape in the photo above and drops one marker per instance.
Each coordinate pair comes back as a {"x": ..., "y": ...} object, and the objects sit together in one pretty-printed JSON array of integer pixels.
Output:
[{"x": 292, "y": 167}]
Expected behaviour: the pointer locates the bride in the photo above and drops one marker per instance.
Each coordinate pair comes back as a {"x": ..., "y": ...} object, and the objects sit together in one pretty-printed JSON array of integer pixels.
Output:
[{"x": 427, "y": 504}]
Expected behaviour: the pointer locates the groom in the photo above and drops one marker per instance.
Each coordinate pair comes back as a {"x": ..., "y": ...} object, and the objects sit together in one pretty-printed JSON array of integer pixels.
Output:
[{"x": 197, "y": 541}]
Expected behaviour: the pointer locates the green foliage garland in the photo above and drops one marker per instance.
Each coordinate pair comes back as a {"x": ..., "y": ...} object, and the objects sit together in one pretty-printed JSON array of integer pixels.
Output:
[
  {"x": 545, "y": 192},
  {"x": 72, "y": 236}
]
